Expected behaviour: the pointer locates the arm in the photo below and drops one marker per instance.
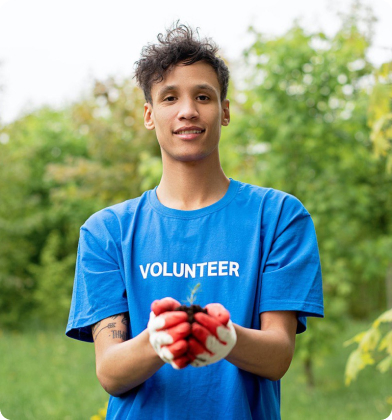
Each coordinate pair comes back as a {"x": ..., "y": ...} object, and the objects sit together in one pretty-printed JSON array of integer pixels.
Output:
[
  {"x": 122, "y": 364},
  {"x": 268, "y": 352}
]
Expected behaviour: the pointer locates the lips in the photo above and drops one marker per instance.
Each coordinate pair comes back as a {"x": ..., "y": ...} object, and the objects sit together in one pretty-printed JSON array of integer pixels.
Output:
[{"x": 189, "y": 130}]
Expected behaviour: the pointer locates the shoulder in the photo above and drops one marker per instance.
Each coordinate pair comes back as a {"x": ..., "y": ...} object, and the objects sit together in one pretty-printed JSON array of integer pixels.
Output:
[
  {"x": 111, "y": 218},
  {"x": 272, "y": 200}
]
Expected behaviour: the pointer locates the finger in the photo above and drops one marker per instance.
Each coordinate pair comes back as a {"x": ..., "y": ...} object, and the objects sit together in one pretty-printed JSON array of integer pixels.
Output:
[
  {"x": 164, "y": 305},
  {"x": 200, "y": 363},
  {"x": 167, "y": 320},
  {"x": 210, "y": 342},
  {"x": 158, "y": 339},
  {"x": 180, "y": 362},
  {"x": 198, "y": 354},
  {"x": 208, "y": 361},
  {"x": 170, "y": 336},
  {"x": 209, "y": 322},
  {"x": 175, "y": 350},
  {"x": 152, "y": 316},
  {"x": 227, "y": 334},
  {"x": 219, "y": 312},
  {"x": 220, "y": 331},
  {"x": 179, "y": 331},
  {"x": 197, "y": 350}
]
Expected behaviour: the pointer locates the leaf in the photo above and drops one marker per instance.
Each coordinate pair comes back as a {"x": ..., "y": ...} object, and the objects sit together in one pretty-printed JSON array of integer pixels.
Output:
[
  {"x": 385, "y": 364},
  {"x": 366, "y": 359},
  {"x": 352, "y": 367},
  {"x": 386, "y": 343},
  {"x": 192, "y": 298},
  {"x": 356, "y": 339},
  {"x": 357, "y": 361},
  {"x": 385, "y": 317},
  {"x": 370, "y": 339}
]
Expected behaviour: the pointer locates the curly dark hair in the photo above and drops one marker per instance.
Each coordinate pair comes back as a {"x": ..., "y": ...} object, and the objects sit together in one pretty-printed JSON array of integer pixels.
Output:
[{"x": 178, "y": 45}]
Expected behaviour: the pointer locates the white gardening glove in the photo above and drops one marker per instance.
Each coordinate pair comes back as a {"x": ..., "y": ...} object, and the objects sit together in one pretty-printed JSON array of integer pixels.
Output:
[
  {"x": 168, "y": 330},
  {"x": 213, "y": 336}
]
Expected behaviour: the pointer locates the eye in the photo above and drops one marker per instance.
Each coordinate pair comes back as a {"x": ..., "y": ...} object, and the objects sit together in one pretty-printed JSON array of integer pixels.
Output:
[
  {"x": 169, "y": 98},
  {"x": 203, "y": 97}
]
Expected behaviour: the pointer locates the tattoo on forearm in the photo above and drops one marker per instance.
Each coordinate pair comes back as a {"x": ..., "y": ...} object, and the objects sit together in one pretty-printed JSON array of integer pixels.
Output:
[
  {"x": 110, "y": 325},
  {"x": 94, "y": 328},
  {"x": 119, "y": 334},
  {"x": 124, "y": 320},
  {"x": 115, "y": 333}
]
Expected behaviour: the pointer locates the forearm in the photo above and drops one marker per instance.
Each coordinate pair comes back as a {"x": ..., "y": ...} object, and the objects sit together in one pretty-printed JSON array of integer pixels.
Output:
[
  {"x": 125, "y": 365},
  {"x": 264, "y": 353}
]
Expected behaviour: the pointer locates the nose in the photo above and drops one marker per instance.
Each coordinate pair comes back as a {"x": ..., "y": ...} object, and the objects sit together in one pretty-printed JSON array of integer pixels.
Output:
[{"x": 188, "y": 110}]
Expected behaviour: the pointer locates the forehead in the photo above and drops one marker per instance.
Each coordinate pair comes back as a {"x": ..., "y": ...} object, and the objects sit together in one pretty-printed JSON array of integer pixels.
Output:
[{"x": 185, "y": 77}]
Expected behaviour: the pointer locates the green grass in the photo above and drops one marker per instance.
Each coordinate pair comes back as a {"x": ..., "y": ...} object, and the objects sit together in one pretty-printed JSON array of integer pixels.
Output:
[
  {"x": 45, "y": 375},
  {"x": 364, "y": 399}
]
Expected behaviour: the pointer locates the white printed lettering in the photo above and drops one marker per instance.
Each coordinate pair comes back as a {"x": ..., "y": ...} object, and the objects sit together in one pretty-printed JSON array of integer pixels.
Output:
[
  {"x": 212, "y": 266},
  {"x": 159, "y": 265},
  {"x": 189, "y": 270},
  {"x": 144, "y": 272},
  {"x": 223, "y": 266},
  {"x": 175, "y": 270},
  {"x": 201, "y": 265},
  {"x": 205, "y": 269},
  {"x": 165, "y": 273},
  {"x": 234, "y": 266}
]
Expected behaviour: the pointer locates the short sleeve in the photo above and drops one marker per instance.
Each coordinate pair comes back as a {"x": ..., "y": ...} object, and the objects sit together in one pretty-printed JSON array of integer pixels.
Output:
[
  {"x": 291, "y": 279},
  {"x": 98, "y": 290}
]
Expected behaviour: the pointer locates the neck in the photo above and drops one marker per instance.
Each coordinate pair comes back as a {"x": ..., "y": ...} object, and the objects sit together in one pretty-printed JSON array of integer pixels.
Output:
[{"x": 192, "y": 185}]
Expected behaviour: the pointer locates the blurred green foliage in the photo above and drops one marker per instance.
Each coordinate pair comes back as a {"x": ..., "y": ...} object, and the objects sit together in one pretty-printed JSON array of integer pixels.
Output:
[
  {"x": 380, "y": 114},
  {"x": 371, "y": 342},
  {"x": 304, "y": 129},
  {"x": 372, "y": 348},
  {"x": 56, "y": 169},
  {"x": 304, "y": 123}
]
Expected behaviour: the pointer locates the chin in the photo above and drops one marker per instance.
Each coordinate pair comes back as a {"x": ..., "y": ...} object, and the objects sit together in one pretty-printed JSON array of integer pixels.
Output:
[{"x": 188, "y": 156}]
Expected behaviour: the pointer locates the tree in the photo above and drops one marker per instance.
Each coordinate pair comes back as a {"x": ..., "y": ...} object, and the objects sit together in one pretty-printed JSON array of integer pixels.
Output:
[
  {"x": 56, "y": 169},
  {"x": 26, "y": 213},
  {"x": 371, "y": 342},
  {"x": 304, "y": 130}
]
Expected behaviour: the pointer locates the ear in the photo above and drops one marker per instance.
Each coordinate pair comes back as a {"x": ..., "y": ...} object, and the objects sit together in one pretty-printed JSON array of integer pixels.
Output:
[
  {"x": 148, "y": 116},
  {"x": 225, "y": 112}
]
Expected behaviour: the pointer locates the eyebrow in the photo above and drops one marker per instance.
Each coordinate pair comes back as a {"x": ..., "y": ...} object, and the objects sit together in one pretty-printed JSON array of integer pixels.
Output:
[{"x": 170, "y": 88}]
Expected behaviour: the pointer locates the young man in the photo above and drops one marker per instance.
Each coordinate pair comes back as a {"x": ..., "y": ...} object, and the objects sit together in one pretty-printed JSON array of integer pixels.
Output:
[{"x": 252, "y": 249}]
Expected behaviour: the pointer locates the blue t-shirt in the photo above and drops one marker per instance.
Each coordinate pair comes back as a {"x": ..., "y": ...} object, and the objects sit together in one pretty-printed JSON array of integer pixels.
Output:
[{"x": 254, "y": 250}]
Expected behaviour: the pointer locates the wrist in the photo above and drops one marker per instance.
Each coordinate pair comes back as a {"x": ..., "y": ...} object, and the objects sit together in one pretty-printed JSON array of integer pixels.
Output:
[
  {"x": 149, "y": 350},
  {"x": 237, "y": 329}
]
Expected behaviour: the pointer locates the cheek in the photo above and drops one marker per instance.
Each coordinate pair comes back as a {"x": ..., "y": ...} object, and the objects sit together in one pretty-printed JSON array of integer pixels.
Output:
[
  {"x": 216, "y": 117},
  {"x": 218, "y": 122},
  {"x": 163, "y": 120}
]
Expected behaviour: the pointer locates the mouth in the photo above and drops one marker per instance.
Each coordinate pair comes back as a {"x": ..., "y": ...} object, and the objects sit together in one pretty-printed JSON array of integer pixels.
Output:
[{"x": 190, "y": 133}]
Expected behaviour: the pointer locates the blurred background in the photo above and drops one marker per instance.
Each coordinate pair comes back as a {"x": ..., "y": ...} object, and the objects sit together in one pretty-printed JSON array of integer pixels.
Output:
[{"x": 311, "y": 103}]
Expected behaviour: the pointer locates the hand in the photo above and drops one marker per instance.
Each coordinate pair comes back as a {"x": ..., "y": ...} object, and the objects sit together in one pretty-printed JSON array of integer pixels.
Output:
[
  {"x": 168, "y": 329},
  {"x": 213, "y": 336}
]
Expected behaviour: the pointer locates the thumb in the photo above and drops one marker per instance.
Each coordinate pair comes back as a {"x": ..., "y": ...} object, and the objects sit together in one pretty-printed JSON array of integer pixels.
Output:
[
  {"x": 164, "y": 305},
  {"x": 219, "y": 312}
]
